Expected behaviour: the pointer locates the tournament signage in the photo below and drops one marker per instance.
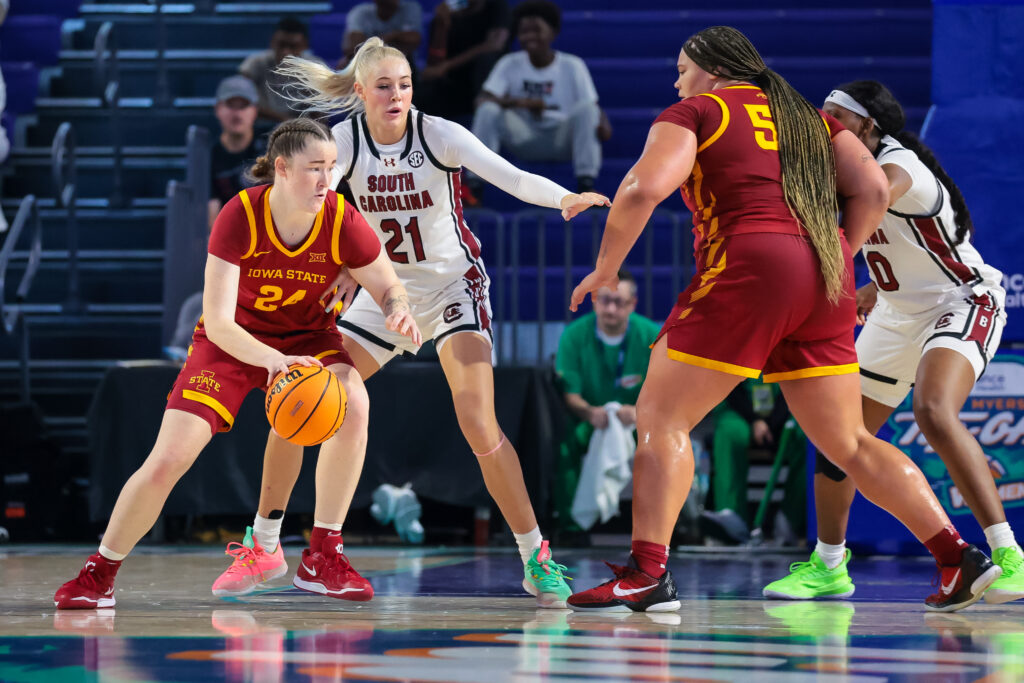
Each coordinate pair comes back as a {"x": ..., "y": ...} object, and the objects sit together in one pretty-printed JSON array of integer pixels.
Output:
[{"x": 994, "y": 414}]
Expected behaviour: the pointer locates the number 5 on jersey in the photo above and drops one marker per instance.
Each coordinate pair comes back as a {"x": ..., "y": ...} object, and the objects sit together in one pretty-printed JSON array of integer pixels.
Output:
[{"x": 764, "y": 128}]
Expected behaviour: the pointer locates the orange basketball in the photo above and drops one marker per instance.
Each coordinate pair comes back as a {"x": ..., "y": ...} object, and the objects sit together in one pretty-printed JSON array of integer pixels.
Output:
[{"x": 306, "y": 405}]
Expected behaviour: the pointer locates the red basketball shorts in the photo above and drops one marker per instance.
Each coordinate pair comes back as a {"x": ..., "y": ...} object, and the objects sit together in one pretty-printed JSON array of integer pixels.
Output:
[
  {"x": 758, "y": 303},
  {"x": 213, "y": 384}
]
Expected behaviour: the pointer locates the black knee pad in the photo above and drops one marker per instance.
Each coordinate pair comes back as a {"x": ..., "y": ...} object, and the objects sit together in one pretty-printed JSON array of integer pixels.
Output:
[{"x": 823, "y": 465}]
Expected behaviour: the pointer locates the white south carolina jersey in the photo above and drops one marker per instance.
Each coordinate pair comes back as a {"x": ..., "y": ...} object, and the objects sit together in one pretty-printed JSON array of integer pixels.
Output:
[
  {"x": 409, "y": 192},
  {"x": 913, "y": 256}
]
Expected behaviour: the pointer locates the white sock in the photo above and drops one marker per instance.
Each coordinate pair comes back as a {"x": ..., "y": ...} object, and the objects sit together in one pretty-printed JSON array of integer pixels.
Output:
[
  {"x": 1000, "y": 536},
  {"x": 110, "y": 554},
  {"x": 325, "y": 525},
  {"x": 831, "y": 555},
  {"x": 528, "y": 542},
  {"x": 267, "y": 532}
]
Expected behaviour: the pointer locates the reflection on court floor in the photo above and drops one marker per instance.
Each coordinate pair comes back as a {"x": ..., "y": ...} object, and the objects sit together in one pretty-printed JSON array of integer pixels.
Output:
[{"x": 443, "y": 615}]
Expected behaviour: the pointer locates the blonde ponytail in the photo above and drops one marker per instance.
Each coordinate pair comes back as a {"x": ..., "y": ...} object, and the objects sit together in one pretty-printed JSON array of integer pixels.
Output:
[{"x": 315, "y": 87}]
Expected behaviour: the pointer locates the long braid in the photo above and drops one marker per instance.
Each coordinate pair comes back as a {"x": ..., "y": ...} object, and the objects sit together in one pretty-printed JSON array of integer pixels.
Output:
[{"x": 805, "y": 149}]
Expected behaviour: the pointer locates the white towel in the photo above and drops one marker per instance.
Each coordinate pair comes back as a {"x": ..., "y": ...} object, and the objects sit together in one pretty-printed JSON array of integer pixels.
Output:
[{"x": 607, "y": 469}]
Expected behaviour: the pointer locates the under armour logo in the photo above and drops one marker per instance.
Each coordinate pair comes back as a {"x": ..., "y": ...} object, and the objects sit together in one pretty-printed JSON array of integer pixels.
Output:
[{"x": 389, "y": 161}]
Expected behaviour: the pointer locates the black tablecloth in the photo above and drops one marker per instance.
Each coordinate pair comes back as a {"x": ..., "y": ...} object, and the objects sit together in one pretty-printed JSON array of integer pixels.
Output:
[{"x": 413, "y": 437}]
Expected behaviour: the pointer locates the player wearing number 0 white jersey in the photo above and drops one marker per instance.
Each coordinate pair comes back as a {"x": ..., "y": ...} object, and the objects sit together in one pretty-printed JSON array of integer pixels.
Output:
[
  {"x": 403, "y": 169},
  {"x": 933, "y": 316}
]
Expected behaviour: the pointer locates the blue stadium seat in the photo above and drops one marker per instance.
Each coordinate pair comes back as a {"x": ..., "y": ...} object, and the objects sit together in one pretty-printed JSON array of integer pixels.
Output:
[
  {"x": 777, "y": 33},
  {"x": 31, "y": 38},
  {"x": 59, "y": 8},
  {"x": 22, "y": 80},
  {"x": 325, "y": 33}
]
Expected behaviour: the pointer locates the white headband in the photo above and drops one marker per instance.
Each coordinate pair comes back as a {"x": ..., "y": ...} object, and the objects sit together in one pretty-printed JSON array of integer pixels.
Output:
[{"x": 846, "y": 102}]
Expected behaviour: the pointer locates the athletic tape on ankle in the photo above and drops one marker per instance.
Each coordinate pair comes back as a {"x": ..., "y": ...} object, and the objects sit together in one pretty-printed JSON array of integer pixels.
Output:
[{"x": 492, "y": 451}]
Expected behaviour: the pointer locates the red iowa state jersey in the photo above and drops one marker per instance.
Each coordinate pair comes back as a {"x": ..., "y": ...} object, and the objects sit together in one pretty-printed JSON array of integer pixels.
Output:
[
  {"x": 736, "y": 183},
  {"x": 280, "y": 288}
]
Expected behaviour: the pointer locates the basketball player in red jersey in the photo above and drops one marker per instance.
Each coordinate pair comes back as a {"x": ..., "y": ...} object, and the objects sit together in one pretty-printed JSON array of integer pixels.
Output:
[
  {"x": 274, "y": 249},
  {"x": 760, "y": 171}
]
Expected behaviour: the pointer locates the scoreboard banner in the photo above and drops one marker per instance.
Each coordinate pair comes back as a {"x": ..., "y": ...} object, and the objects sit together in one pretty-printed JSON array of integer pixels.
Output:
[{"x": 994, "y": 414}]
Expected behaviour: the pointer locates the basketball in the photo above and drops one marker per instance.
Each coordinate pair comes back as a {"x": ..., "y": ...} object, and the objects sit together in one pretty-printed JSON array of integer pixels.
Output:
[{"x": 306, "y": 406}]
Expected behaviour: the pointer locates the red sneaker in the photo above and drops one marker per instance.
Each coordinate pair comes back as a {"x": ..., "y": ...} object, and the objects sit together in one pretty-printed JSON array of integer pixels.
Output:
[
  {"x": 92, "y": 588},
  {"x": 329, "y": 573},
  {"x": 963, "y": 584},
  {"x": 630, "y": 591}
]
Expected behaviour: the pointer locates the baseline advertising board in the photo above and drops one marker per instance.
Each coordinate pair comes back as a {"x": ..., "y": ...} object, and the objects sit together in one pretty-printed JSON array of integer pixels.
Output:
[{"x": 994, "y": 414}]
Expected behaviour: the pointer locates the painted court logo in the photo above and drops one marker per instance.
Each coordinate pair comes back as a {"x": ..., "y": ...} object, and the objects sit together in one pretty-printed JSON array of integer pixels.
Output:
[{"x": 994, "y": 414}]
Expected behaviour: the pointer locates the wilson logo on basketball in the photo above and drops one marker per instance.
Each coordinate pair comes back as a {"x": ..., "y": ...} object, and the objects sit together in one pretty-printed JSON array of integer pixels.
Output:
[
  {"x": 204, "y": 382},
  {"x": 318, "y": 258},
  {"x": 281, "y": 383}
]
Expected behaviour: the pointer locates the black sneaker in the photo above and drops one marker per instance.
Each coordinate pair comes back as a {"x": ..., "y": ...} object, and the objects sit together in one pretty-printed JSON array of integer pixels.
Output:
[
  {"x": 630, "y": 591},
  {"x": 963, "y": 584}
]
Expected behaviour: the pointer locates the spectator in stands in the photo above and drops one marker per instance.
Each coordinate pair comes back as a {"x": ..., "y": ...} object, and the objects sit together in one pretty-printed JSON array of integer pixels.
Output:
[
  {"x": 466, "y": 38},
  {"x": 602, "y": 358},
  {"x": 291, "y": 38},
  {"x": 539, "y": 103},
  {"x": 398, "y": 23},
  {"x": 238, "y": 145},
  {"x": 754, "y": 416}
]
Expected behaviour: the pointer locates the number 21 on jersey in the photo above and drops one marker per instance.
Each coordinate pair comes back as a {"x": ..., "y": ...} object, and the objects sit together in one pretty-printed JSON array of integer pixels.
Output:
[
  {"x": 396, "y": 252},
  {"x": 764, "y": 128}
]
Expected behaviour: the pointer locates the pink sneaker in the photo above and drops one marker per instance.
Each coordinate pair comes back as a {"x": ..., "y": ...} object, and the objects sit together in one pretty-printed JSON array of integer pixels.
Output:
[
  {"x": 329, "y": 573},
  {"x": 92, "y": 588},
  {"x": 253, "y": 566}
]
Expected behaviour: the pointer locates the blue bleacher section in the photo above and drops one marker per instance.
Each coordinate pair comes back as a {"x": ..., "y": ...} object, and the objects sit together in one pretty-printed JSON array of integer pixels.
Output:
[{"x": 49, "y": 61}]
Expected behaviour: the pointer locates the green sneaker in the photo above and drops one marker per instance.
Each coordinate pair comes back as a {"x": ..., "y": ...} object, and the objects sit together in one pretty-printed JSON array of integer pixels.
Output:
[
  {"x": 812, "y": 579},
  {"x": 544, "y": 578},
  {"x": 1009, "y": 586}
]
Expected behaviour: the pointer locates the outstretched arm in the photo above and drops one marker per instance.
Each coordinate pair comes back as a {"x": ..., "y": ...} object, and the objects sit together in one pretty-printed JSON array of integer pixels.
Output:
[
  {"x": 665, "y": 164},
  {"x": 379, "y": 279},
  {"x": 462, "y": 148}
]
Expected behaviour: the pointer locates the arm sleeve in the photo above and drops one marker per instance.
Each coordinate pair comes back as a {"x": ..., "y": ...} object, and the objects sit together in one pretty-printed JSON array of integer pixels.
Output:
[
  {"x": 341, "y": 132},
  {"x": 497, "y": 82},
  {"x": 459, "y": 147},
  {"x": 359, "y": 244},
  {"x": 230, "y": 235},
  {"x": 567, "y": 362}
]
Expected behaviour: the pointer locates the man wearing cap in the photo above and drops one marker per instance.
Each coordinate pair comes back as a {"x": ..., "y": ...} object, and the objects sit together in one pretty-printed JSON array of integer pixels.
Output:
[{"x": 238, "y": 146}]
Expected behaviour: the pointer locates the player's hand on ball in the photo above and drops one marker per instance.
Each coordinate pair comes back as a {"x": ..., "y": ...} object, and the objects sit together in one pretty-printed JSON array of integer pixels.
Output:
[
  {"x": 279, "y": 363},
  {"x": 403, "y": 323},
  {"x": 591, "y": 284},
  {"x": 574, "y": 204}
]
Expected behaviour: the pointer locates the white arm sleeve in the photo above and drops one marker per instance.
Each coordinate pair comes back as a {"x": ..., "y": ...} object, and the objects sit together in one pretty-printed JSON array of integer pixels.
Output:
[
  {"x": 342, "y": 134},
  {"x": 459, "y": 147}
]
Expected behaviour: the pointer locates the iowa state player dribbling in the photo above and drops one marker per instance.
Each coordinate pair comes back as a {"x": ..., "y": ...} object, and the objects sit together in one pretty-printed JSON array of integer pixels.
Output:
[
  {"x": 274, "y": 251},
  {"x": 403, "y": 168}
]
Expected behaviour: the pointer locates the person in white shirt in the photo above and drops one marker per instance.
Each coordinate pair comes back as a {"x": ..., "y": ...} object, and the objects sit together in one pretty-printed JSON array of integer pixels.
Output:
[
  {"x": 540, "y": 104},
  {"x": 933, "y": 317},
  {"x": 403, "y": 168}
]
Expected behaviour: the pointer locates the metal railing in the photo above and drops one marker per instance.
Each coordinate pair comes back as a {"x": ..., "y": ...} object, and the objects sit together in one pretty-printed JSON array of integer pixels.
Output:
[
  {"x": 12, "y": 313},
  {"x": 536, "y": 260},
  {"x": 185, "y": 229},
  {"x": 106, "y": 77},
  {"x": 65, "y": 179}
]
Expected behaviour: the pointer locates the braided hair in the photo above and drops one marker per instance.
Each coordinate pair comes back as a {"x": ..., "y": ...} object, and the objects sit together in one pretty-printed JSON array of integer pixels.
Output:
[
  {"x": 885, "y": 109},
  {"x": 286, "y": 140},
  {"x": 805, "y": 148}
]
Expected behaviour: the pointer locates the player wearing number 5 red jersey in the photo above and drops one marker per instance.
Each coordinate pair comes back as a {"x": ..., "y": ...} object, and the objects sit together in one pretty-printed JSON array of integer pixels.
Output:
[
  {"x": 934, "y": 317},
  {"x": 773, "y": 291},
  {"x": 404, "y": 170},
  {"x": 274, "y": 251}
]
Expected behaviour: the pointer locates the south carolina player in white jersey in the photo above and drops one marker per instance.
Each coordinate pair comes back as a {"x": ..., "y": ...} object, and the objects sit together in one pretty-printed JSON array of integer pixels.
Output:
[
  {"x": 403, "y": 169},
  {"x": 933, "y": 316}
]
